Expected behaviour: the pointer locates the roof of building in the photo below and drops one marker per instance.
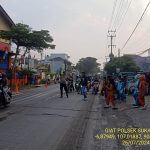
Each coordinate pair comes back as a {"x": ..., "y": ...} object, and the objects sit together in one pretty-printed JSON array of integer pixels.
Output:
[
  {"x": 59, "y": 58},
  {"x": 6, "y": 16}
]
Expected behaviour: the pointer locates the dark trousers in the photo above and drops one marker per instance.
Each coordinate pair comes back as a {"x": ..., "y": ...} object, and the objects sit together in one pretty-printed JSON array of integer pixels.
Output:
[
  {"x": 63, "y": 86},
  {"x": 2, "y": 97}
]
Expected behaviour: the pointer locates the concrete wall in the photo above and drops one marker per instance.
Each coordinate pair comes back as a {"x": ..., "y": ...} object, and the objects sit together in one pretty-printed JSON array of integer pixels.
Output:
[{"x": 4, "y": 26}]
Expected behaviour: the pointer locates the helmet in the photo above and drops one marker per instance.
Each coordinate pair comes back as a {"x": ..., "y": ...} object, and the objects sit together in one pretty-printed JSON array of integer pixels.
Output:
[{"x": 4, "y": 74}]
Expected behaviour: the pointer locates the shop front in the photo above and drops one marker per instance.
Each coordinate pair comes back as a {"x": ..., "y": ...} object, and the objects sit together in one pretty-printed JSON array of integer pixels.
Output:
[{"x": 5, "y": 57}]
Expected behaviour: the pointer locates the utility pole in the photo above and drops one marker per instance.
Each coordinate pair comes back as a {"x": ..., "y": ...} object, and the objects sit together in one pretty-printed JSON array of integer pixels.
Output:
[
  {"x": 149, "y": 53},
  {"x": 41, "y": 55},
  {"x": 119, "y": 53},
  {"x": 119, "y": 60},
  {"x": 111, "y": 34}
]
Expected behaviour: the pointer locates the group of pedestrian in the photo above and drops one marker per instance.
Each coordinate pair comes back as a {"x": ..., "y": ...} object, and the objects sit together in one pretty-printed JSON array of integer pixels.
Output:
[
  {"x": 116, "y": 88},
  {"x": 82, "y": 85}
]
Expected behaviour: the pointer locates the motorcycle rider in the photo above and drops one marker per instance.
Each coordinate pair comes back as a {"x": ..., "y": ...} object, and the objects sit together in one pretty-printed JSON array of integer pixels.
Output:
[
  {"x": 3, "y": 84},
  {"x": 70, "y": 83},
  {"x": 3, "y": 80},
  {"x": 95, "y": 85},
  {"x": 77, "y": 84}
]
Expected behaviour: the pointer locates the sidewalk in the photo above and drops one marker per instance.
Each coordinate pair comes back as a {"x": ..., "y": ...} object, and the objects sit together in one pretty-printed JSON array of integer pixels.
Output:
[
  {"x": 126, "y": 117},
  {"x": 29, "y": 87}
]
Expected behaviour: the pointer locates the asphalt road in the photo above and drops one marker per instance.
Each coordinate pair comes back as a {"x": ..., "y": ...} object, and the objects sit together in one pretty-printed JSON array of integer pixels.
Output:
[{"x": 38, "y": 119}]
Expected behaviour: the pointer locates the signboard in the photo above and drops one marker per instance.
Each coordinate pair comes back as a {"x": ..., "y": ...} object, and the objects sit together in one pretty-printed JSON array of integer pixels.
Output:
[
  {"x": 4, "y": 60},
  {"x": 4, "y": 47}
]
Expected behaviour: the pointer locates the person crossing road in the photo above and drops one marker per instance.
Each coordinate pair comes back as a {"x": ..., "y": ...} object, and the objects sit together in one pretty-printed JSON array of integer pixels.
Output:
[
  {"x": 63, "y": 85},
  {"x": 83, "y": 83}
]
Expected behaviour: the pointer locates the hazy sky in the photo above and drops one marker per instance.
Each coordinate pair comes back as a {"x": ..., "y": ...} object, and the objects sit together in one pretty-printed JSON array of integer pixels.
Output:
[{"x": 79, "y": 27}]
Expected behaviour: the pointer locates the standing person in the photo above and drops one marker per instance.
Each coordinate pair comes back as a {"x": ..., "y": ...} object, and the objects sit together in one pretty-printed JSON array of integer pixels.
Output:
[
  {"x": 111, "y": 94},
  {"x": 142, "y": 90},
  {"x": 84, "y": 82},
  {"x": 63, "y": 84},
  {"x": 136, "y": 91},
  {"x": 119, "y": 87},
  {"x": 104, "y": 91},
  {"x": 122, "y": 89}
]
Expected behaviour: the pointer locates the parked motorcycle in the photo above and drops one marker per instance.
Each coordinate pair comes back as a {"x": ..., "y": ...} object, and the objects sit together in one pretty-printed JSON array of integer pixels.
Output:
[
  {"x": 95, "y": 88},
  {"x": 70, "y": 86},
  {"x": 5, "y": 96},
  {"x": 88, "y": 86},
  {"x": 78, "y": 87}
]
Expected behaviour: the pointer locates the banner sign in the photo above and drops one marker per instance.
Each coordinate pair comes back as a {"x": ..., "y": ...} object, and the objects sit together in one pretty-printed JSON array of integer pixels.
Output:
[{"x": 4, "y": 62}]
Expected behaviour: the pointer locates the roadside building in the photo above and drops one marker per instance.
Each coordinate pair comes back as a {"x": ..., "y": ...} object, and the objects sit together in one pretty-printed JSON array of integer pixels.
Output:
[
  {"x": 58, "y": 63},
  {"x": 142, "y": 62},
  {"x": 30, "y": 63},
  {"x": 56, "y": 55},
  {"x": 5, "y": 45}
]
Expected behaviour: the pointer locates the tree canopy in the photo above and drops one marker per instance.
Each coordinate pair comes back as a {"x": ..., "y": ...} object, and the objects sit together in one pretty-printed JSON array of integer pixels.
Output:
[
  {"x": 23, "y": 36},
  {"x": 88, "y": 65},
  {"x": 125, "y": 63}
]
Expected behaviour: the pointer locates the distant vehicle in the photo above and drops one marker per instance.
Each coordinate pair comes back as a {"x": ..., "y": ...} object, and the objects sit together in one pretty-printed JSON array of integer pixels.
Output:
[
  {"x": 128, "y": 74},
  {"x": 95, "y": 87}
]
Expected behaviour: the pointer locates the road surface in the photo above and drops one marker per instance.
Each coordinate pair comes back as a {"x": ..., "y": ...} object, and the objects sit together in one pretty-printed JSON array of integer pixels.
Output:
[{"x": 38, "y": 119}]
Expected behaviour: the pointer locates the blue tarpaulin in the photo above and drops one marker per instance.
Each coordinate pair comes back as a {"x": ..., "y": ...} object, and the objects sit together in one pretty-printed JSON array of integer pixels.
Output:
[{"x": 3, "y": 60}]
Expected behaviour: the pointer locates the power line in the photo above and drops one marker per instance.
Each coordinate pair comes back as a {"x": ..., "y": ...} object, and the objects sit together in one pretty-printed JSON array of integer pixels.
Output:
[
  {"x": 141, "y": 41},
  {"x": 124, "y": 15},
  {"x": 117, "y": 13},
  {"x": 136, "y": 25},
  {"x": 113, "y": 12}
]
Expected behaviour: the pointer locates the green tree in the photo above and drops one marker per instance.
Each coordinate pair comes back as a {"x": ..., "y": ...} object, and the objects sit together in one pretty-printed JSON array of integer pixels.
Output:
[
  {"x": 125, "y": 63},
  {"x": 18, "y": 34},
  {"x": 38, "y": 41},
  {"x": 88, "y": 65},
  {"x": 23, "y": 36}
]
